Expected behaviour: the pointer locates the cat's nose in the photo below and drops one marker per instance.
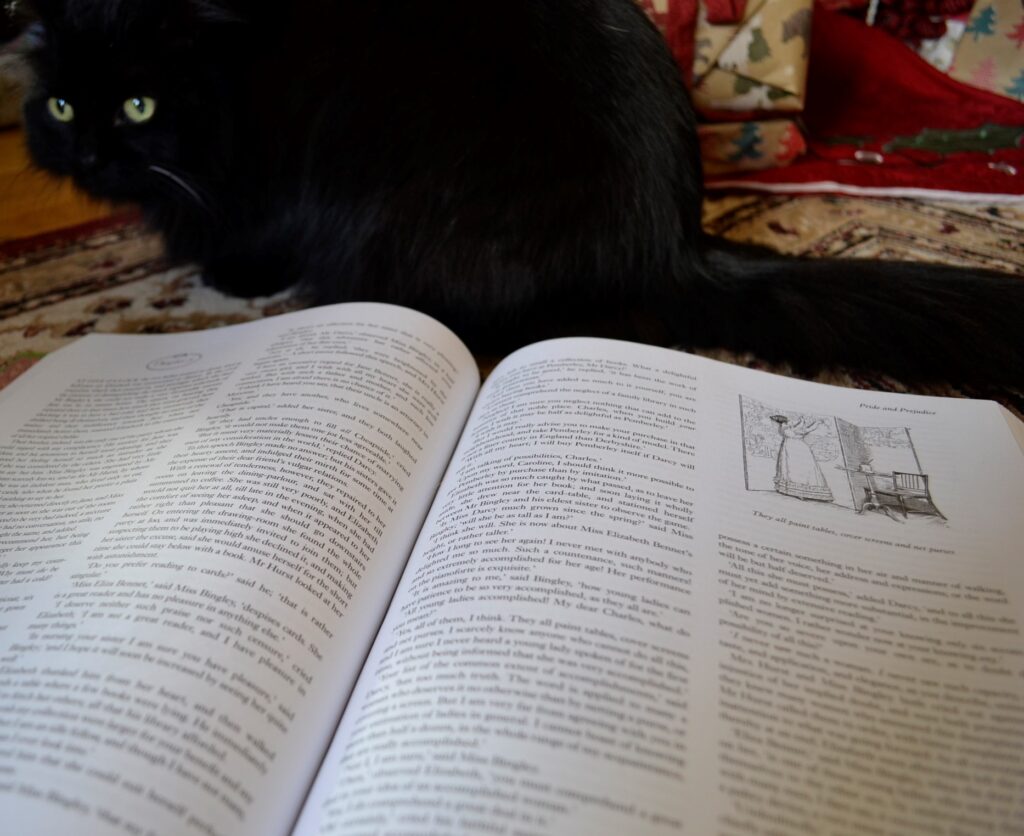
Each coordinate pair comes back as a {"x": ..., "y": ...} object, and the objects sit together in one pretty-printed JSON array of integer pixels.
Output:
[{"x": 88, "y": 159}]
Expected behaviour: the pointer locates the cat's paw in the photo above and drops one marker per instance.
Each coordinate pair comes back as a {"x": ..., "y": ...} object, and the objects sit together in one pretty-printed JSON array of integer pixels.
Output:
[{"x": 247, "y": 276}]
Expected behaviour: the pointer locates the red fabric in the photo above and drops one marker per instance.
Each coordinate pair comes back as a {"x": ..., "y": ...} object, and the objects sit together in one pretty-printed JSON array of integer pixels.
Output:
[
  {"x": 682, "y": 22},
  {"x": 725, "y": 11},
  {"x": 864, "y": 83},
  {"x": 908, "y": 19}
]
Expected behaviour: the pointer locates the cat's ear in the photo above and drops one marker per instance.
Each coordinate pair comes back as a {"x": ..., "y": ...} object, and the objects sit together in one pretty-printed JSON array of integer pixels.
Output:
[
  {"x": 45, "y": 10},
  {"x": 15, "y": 17}
]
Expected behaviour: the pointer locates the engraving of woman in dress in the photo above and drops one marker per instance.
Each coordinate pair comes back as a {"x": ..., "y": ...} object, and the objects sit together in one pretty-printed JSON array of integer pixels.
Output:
[{"x": 797, "y": 472}]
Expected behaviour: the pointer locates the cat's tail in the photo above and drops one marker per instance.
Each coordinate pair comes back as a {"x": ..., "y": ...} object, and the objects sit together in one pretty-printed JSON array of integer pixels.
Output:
[{"x": 911, "y": 320}]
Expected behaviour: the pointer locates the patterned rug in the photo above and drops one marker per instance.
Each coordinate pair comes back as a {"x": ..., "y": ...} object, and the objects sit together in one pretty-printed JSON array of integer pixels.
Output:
[{"x": 110, "y": 276}]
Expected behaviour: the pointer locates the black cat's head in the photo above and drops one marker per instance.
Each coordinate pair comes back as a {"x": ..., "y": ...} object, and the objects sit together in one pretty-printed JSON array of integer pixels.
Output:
[{"x": 130, "y": 97}]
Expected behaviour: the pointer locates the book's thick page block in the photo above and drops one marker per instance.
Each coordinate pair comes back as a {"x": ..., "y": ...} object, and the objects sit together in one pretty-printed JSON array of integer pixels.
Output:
[
  {"x": 199, "y": 536},
  {"x": 1016, "y": 427},
  {"x": 656, "y": 594}
]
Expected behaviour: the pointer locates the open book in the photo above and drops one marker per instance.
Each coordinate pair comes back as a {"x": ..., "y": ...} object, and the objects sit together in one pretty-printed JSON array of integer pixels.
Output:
[{"x": 301, "y": 576}]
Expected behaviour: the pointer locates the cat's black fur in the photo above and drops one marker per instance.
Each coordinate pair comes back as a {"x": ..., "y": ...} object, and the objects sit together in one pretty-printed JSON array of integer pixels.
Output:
[{"x": 515, "y": 168}]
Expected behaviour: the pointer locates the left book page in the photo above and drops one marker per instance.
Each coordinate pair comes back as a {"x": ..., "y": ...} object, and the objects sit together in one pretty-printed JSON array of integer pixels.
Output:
[{"x": 199, "y": 536}]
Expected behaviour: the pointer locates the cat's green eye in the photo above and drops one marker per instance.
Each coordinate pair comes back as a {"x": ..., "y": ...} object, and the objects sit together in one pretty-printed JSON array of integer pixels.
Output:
[
  {"x": 60, "y": 109},
  {"x": 139, "y": 109}
]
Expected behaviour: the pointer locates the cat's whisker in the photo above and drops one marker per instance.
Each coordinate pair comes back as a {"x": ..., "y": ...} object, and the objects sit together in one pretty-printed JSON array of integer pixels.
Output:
[{"x": 181, "y": 183}]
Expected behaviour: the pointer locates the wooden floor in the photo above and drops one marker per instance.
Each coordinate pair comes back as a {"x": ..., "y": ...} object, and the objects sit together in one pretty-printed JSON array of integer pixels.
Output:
[{"x": 31, "y": 202}]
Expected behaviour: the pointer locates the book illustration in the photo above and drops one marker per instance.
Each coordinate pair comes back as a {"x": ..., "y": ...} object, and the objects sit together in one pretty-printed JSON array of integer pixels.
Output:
[
  {"x": 797, "y": 472},
  {"x": 825, "y": 459}
]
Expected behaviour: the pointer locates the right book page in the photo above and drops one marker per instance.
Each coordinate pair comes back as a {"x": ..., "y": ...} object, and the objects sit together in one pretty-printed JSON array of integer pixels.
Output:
[
  {"x": 660, "y": 594},
  {"x": 867, "y": 595}
]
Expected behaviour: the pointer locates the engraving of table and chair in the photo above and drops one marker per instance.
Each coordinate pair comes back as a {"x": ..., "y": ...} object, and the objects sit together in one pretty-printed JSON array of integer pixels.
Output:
[{"x": 896, "y": 491}]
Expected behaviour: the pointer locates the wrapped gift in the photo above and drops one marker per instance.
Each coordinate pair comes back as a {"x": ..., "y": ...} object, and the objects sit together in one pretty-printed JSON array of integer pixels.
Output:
[
  {"x": 755, "y": 65},
  {"x": 733, "y": 40},
  {"x": 749, "y": 146},
  {"x": 724, "y": 11},
  {"x": 657, "y": 10},
  {"x": 991, "y": 52}
]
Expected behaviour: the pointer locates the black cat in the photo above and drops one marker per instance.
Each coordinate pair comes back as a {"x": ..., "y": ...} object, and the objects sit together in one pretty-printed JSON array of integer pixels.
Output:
[{"x": 516, "y": 168}]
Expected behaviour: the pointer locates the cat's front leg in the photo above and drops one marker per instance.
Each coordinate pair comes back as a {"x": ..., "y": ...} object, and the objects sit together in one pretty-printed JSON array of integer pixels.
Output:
[
  {"x": 248, "y": 273},
  {"x": 242, "y": 259}
]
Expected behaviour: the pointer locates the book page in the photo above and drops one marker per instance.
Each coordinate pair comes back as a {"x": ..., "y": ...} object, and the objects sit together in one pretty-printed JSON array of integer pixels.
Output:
[
  {"x": 535, "y": 672},
  {"x": 199, "y": 535},
  {"x": 603, "y": 630},
  {"x": 870, "y": 661}
]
